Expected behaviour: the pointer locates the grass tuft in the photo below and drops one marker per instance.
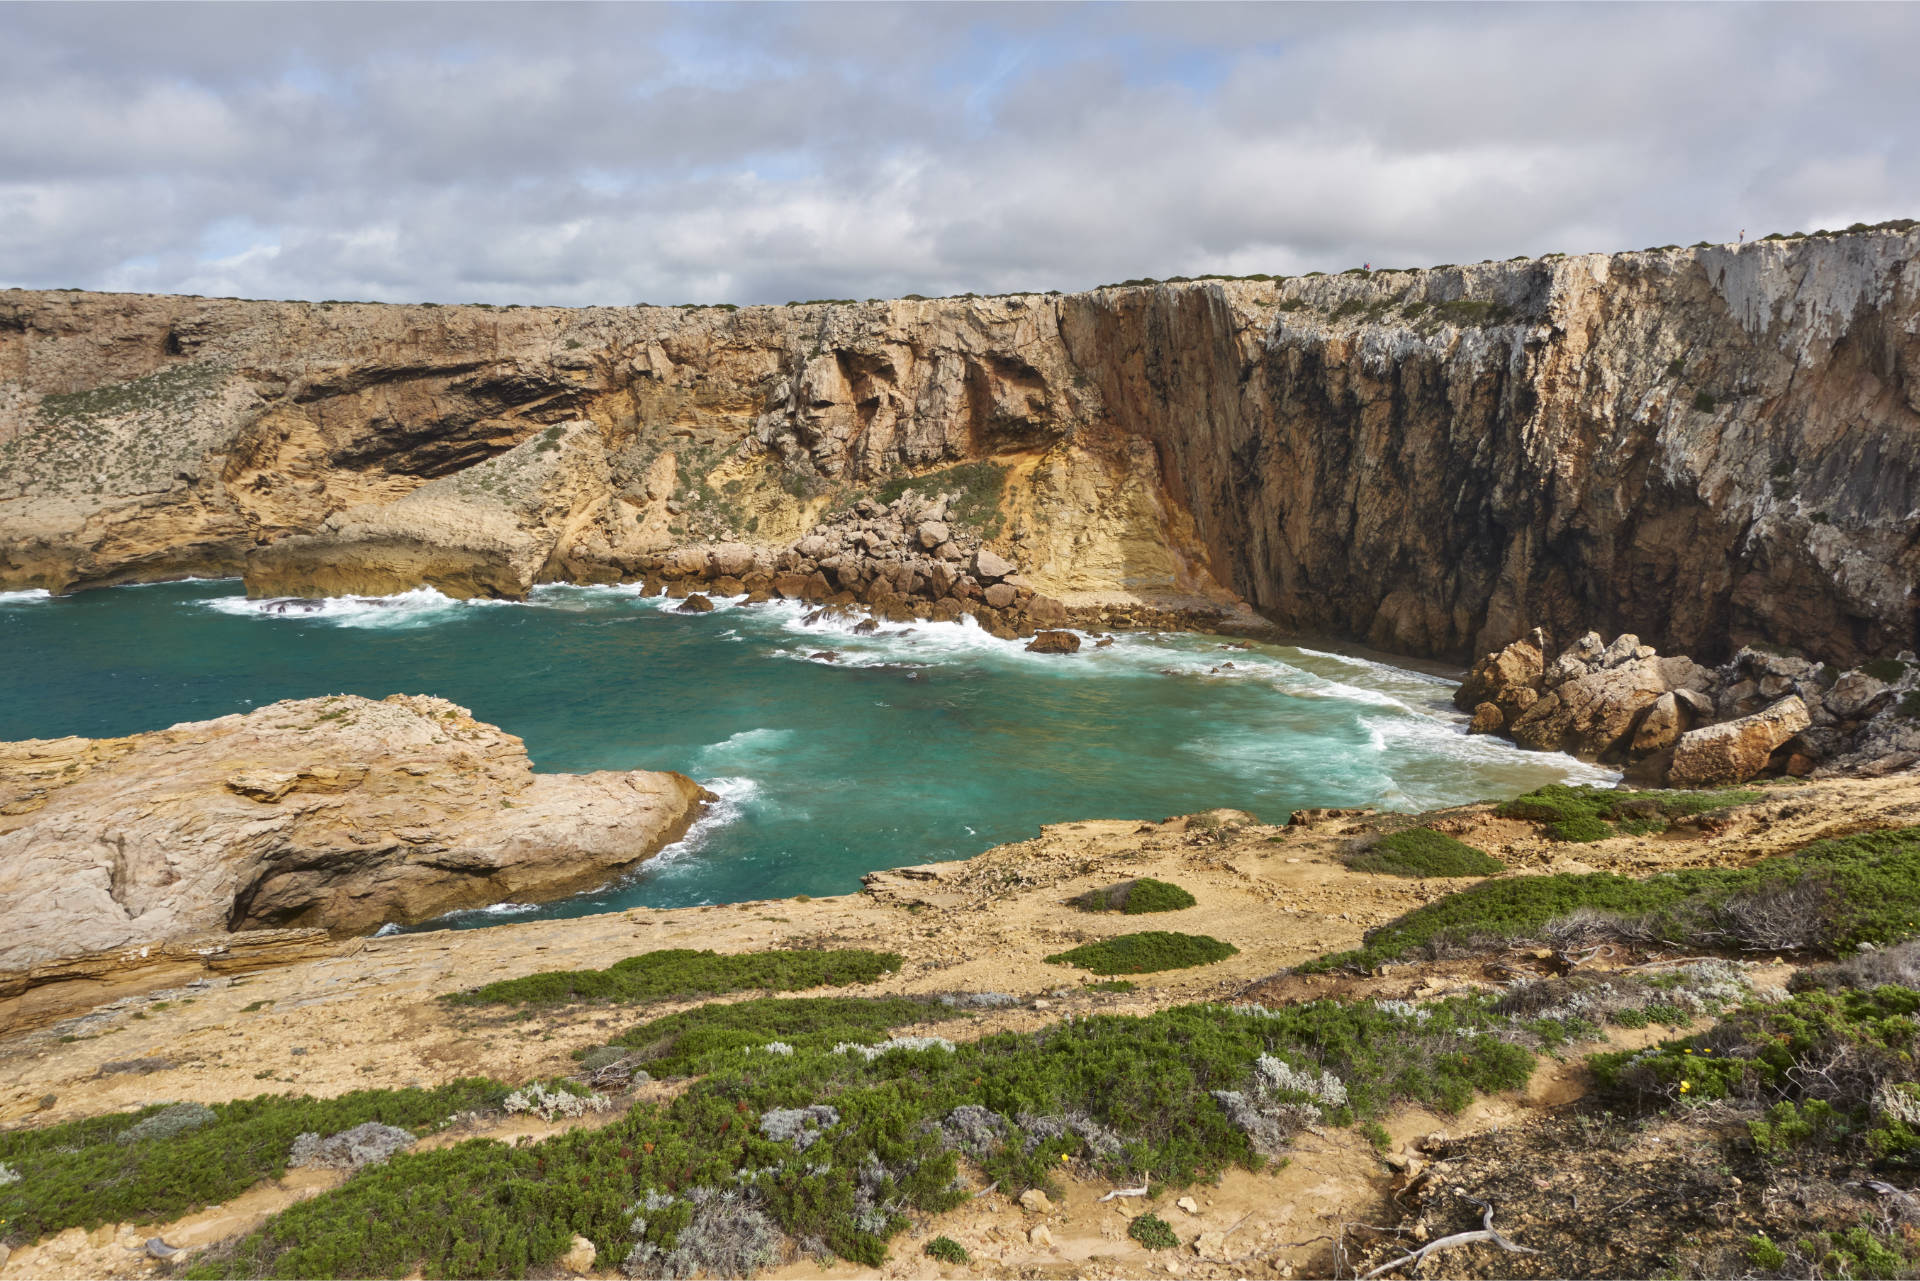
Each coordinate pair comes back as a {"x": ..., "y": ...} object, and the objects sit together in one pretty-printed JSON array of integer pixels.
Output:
[
  {"x": 1135, "y": 898},
  {"x": 1421, "y": 851},
  {"x": 1592, "y": 813},
  {"x": 683, "y": 972},
  {"x": 1145, "y": 953}
]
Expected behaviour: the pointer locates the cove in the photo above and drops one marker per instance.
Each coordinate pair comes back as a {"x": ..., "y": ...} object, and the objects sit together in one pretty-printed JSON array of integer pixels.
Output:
[{"x": 921, "y": 743}]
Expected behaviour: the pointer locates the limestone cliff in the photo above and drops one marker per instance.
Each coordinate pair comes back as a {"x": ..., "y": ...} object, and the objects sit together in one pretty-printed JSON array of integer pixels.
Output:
[
  {"x": 341, "y": 813},
  {"x": 1706, "y": 447}
]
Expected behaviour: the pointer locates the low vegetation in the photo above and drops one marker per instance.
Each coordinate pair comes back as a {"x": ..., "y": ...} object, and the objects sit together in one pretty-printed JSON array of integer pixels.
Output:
[
  {"x": 161, "y": 1162},
  {"x": 683, "y": 972},
  {"x": 1421, "y": 851},
  {"x": 788, "y": 1139},
  {"x": 1829, "y": 896},
  {"x": 1596, "y": 813},
  {"x": 1145, "y": 953},
  {"x": 979, "y": 486},
  {"x": 1136, "y": 897}
]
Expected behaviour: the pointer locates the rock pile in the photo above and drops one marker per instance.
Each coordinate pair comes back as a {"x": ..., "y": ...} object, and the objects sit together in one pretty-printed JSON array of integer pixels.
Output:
[
  {"x": 903, "y": 561},
  {"x": 1669, "y": 720}
]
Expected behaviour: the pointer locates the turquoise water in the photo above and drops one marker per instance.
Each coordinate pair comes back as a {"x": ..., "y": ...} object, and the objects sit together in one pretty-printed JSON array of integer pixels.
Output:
[{"x": 918, "y": 744}]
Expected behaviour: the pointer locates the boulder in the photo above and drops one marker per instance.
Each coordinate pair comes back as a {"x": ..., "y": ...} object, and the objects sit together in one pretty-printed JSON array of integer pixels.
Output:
[
  {"x": 1591, "y": 715},
  {"x": 1735, "y": 751},
  {"x": 1497, "y": 677},
  {"x": 1054, "y": 642},
  {"x": 999, "y": 595},
  {"x": 401, "y": 809},
  {"x": 790, "y": 586},
  {"x": 731, "y": 560},
  {"x": 1045, "y": 611},
  {"x": 695, "y": 604},
  {"x": 1660, "y": 728},
  {"x": 1854, "y": 695},
  {"x": 932, "y": 534},
  {"x": 1487, "y": 719},
  {"x": 989, "y": 567}
]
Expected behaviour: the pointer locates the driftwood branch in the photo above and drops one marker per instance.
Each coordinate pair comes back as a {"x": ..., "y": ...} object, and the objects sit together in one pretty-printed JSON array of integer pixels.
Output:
[
  {"x": 1139, "y": 1191},
  {"x": 1486, "y": 1235}
]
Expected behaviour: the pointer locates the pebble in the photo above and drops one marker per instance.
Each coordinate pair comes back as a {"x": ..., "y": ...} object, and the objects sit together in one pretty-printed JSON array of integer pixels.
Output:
[
  {"x": 1034, "y": 1201},
  {"x": 1188, "y": 1204},
  {"x": 1040, "y": 1236}
]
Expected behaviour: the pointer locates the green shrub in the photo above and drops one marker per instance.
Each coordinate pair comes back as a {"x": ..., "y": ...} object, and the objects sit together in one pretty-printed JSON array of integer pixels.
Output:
[
  {"x": 1830, "y": 895},
  {"x": 682, "y": 972},
  {"x": 1145, "y": 953},
  {"x": 980, "y": 486},
  {"x": 946, "y": 1250},
  {"x": 1704, "y": 402},
  {"x": 703, "y": 1038},
  {"x": 1888, "y": 670},
  {"x": 1121, "y": 1095},
  {"x": 1785, "y": 1052},
  {"x": 1153, "y": 1232},
  {"x": 1585, "y": 813},
  {"x": 1136, "y": 897},
  {"x": 1421, "y": 851},
  {"x": 164, "y": 1161}
]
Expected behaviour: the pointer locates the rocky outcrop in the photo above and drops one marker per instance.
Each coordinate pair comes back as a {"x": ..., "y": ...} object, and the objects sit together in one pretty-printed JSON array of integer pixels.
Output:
[
  {"x": 1705, "y": 447},
  {"x": 1669, "y": 720},
  {"x": 341, "y": 813}
]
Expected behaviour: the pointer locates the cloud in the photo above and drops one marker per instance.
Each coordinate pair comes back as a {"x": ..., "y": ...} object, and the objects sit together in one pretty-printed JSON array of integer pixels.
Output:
[{"x": 617, "y": 153}]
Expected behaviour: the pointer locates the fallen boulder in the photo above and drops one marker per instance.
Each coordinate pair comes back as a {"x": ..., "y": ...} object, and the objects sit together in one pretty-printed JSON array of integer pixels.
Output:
[{"x": 1735, "y": 751}]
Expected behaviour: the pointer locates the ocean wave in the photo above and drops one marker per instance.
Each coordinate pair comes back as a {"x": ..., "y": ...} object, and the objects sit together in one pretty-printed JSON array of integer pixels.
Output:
[
  {"x": 733, "y": 796},
  {"x": 415, "y": 608},
  {"x": 25, "y": 596}
]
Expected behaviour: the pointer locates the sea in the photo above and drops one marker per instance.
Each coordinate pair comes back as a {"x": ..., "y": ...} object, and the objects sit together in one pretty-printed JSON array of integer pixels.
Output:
[{"x": 833, "y": 754}]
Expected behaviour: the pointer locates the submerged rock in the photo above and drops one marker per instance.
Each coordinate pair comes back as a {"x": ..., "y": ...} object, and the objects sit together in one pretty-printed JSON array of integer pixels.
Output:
[{"x": 1054, "y": 643}]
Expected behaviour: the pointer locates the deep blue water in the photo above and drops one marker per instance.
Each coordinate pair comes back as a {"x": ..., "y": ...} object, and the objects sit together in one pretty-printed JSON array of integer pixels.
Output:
[{"x": 918, "y": 744}]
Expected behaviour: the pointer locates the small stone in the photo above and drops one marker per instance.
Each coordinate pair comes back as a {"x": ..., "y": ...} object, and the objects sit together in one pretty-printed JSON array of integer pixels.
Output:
[
  {"x": 579, "y": 1259},
  {"x": 1188, "y": 1204},
  {"x": 1034, "y": 1201},
  {"x": 1040, "y": 1236}
]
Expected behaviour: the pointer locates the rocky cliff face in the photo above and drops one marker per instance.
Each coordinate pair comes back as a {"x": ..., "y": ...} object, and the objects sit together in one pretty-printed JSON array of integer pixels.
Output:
[
  {"x": 1706, "y": 447},
  {"x": 340, "y": 813}
]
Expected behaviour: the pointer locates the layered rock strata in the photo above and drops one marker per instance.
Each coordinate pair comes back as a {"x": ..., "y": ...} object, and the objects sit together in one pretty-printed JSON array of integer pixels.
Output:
[
  {"x": 1705, "y": 447},
  {"x": 1670, "y": 720},
  {"x": 340, "y": 813}
]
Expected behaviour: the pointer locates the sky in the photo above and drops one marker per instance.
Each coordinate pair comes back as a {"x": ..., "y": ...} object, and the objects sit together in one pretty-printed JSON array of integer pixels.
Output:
[{"x": 615, "y": 154}]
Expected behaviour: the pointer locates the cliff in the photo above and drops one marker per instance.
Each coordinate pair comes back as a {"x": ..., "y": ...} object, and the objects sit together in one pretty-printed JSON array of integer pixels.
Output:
[{"x": 1707, "y": 447}]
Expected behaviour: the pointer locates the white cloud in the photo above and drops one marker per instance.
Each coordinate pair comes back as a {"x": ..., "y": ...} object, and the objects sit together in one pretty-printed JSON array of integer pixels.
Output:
[{"x": 555, "y": 153}]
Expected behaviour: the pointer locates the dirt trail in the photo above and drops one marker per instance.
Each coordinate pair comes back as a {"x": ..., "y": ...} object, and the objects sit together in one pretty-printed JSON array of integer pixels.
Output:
[{"x": 369, "y": 1016}]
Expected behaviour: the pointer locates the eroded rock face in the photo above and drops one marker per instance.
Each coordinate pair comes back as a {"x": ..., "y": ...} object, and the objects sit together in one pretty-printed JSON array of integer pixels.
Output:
[
  {"x": 1433, "y": 462},
  {"x": 342, "y": 812}
]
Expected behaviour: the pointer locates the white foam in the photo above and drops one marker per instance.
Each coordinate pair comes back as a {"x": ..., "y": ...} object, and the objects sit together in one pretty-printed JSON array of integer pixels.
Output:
[
  {"x": 733, "y": 795},
  {"x": 747, "y": 744},
  {"x": 416, "y": 608},
  {"x": 25, "y": 596}
]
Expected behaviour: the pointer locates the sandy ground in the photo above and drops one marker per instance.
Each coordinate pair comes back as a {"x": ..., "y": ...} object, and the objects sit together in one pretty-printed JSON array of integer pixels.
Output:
[{"x": 368, "y": 1016}]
